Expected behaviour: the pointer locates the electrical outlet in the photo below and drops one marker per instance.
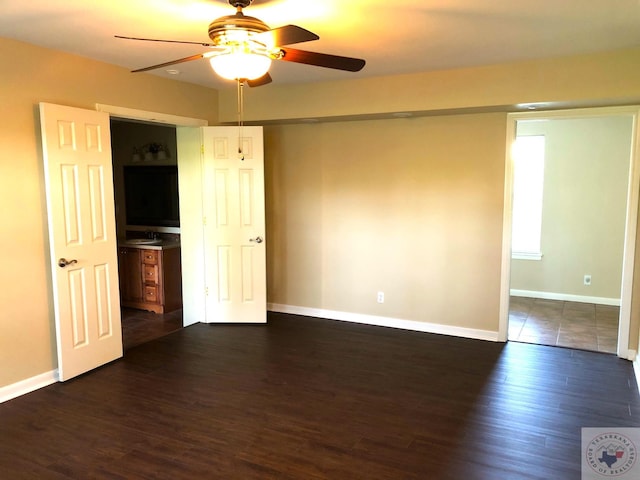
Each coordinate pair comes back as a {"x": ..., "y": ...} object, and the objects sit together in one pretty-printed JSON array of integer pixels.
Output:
[
  {"x": 380, "y": 297},
  {"x": 587, "y": 279}
]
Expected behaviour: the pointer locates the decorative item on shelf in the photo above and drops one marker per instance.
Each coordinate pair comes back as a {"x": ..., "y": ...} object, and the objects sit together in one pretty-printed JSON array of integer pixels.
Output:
[
  {"x": 152, "y": 151},
  {"x": 162, "y": 153},
  {"x": 135, "y": 157}
]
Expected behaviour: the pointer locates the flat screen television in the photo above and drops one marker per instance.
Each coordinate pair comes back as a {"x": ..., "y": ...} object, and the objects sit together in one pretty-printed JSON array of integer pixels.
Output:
[{"x": 151, "y": 195}]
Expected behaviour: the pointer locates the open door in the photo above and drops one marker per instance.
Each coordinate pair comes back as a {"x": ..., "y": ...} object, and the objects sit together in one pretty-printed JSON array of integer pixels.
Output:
[
  {"x": 234, "y": 231},
  {"x": 82, "y": 237}
]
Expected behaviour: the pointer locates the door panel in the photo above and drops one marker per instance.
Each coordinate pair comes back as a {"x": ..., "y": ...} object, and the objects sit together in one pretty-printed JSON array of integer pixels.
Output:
[
  {"x": 97, "y": 199},
  {"x": 81, "y": 217}
]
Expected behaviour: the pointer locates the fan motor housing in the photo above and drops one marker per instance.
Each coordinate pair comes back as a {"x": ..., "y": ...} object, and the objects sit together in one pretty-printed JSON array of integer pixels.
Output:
[{"x": 239, "y": 21}]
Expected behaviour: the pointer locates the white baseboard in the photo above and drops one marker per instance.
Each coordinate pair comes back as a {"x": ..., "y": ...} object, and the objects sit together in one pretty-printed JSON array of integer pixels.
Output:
[
  {"x": 386, "y": 322},
  {"x": 28, "y": 385},
  {"x": 565, "y": 297}
]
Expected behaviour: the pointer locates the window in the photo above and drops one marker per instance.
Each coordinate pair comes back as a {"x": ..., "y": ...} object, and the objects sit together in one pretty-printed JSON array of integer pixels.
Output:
[{"x": 528, "y": 179}]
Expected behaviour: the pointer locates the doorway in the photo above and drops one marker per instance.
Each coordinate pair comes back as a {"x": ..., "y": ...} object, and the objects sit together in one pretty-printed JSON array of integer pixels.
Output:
[
  {"x": 575, "y": 290},
  {"x": 146, "y": 153}
]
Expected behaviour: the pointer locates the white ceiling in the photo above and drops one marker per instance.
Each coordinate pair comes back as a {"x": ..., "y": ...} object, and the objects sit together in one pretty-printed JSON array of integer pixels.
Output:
[{"x": 406, "y": 36}]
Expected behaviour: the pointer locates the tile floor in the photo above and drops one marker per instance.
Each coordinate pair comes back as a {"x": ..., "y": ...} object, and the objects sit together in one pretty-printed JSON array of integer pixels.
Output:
[
  {"x": 140, "y": 326},
  {"x": 565, "y": 324}
]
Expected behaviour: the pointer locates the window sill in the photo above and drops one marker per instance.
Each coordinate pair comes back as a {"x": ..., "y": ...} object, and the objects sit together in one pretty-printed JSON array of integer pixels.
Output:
[{"x": 526, "y": 256}]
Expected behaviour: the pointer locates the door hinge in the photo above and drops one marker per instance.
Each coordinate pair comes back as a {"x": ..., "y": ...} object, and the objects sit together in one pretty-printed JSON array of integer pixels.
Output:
[
  {"x": 202, "y": 149},
  {"x": 206, "y": 291},
  {"x": 204, "y": 221}
]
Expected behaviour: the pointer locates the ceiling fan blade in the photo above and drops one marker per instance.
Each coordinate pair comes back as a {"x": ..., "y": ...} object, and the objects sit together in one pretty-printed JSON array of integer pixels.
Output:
[
  {"x": 165, "y": 41},
  {"x": 173, "y": 62},
  {"x": 323, "y": 60},
  {"x": 258, "y": 82},
  {"x": 287, "y": 35}
]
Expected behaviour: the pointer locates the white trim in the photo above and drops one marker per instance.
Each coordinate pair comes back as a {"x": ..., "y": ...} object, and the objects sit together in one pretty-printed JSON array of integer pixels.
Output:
[
  {"x": 505, "y": 267},
  {"x": 567, "y": 297},
  {"x": 190, "y": 179},
  {"x": 631, "y": 225},
  {"x": 28, "y": 385},
  {"x": 631, "y": 232},
  {"x": 386, "y": 322},
  {"x": 134, "y": 114},
  {"x": 636, "y": 368},
  {"x": 526, "y": 256},
  {"x": 635, "y": 359}
]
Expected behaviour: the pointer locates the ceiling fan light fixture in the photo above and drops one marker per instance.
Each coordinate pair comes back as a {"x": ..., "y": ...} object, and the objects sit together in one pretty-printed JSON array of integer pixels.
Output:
[
  {"x": 243, "y": 57},
  {"x": 240, "y": 64},
  {"x": 243, "y": 47}
]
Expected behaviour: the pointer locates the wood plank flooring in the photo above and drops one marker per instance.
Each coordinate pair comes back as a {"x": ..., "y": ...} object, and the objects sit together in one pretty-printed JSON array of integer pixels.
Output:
[
  {"x": 305, "y": 398},
  {"x": 140, "y": 326}
]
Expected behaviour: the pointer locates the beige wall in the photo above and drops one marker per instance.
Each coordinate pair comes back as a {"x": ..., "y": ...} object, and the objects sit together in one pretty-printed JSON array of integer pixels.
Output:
[
  {"x": 31, "y": 75},
  {"x": 302, "y": 217},
  {"x": 409, "y": 207},
  {"x": 609, "y": 78},
  {"x": 584, "y": 207}
]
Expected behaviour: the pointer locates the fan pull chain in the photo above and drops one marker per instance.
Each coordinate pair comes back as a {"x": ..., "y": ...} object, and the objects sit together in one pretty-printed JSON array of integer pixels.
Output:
[{"x": 240, "y": 117}]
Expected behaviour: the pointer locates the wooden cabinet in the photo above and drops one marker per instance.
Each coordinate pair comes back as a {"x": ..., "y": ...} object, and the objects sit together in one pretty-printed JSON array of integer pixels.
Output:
[
  {"x": 129, "y": 271},
  {"x": 150, "y": 279}
]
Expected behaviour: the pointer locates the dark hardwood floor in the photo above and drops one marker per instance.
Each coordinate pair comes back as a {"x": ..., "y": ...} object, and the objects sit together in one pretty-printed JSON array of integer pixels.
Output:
[
  {"x": 140, "y": 326},
  {"x": 305, "y": 398}
]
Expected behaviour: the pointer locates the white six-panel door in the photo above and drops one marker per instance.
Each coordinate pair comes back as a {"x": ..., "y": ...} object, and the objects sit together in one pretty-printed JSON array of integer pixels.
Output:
[
  {"x": 233, "y": 204},
  {"x": 82, "y": 237}
]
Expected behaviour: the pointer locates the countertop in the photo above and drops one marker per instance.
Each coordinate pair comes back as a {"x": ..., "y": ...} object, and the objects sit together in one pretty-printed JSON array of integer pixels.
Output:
[{"x": 149, "y": 245}]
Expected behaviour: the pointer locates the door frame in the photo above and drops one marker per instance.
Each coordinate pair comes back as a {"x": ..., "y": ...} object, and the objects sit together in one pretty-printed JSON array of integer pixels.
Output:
[
  {"x": 191, "y": 290},
  {"x": 153, "y": 117},
  {"x": 631, "y": 222}
]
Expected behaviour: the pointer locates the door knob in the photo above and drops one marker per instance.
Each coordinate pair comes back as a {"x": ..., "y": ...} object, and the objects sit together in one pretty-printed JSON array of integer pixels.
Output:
[
  {"x": 257, "y": 240},
  {"x": 63, "y": 262}
]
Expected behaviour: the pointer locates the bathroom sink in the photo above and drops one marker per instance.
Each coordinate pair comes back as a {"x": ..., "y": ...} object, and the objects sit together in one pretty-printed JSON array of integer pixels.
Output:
[{"x": 143, "y": 241}]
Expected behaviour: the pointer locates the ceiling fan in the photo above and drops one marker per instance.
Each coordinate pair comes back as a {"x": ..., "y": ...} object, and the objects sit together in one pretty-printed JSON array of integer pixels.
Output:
[{"x": 243, "y": 47}]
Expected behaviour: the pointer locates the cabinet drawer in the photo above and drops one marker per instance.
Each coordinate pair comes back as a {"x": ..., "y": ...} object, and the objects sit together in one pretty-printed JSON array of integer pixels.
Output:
[
  {"x": 151, "y": 273},
  {"x": 150, "y": 257},
  {"x": 150, "y": 293}
]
